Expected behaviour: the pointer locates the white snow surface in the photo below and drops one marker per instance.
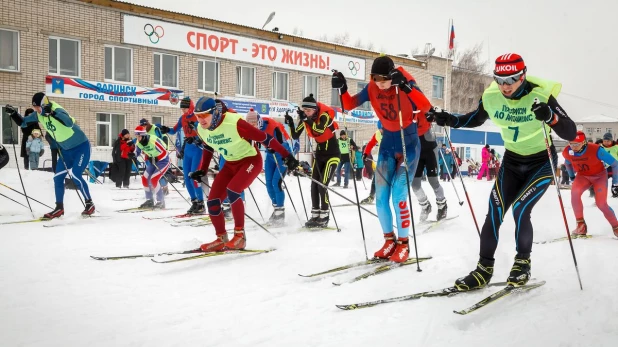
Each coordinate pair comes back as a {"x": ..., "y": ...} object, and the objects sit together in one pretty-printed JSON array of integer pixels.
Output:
[{"x": 53, "y": 294}]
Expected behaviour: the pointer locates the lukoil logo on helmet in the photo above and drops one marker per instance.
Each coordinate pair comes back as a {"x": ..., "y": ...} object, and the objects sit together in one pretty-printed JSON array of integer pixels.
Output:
[{"x": 506, "y": 68}]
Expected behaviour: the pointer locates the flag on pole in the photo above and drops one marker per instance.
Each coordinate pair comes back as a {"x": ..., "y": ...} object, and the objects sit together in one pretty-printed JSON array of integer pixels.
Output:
[{"x": 451, "y": 40}]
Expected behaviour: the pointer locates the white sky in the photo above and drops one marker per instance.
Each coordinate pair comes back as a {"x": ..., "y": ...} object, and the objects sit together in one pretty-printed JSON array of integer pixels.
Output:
[{"x": 569, "y": 41}]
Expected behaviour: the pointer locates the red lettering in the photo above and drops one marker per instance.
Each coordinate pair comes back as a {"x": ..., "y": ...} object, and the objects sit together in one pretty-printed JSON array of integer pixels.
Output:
[
  {"x": 322, "y": 65},
  {"x": 201, "y": 38},
  {"x": 264, "y": 48},
  {"x": 314, "y": 61},
  {"x": 305, "y": 59},
  {"x": 224, "y": 43},
  {"x": 403, "y": 204},
  {"x": 255, "y": 50},
  {"x": 213, "y": 43},
  {"x": 405, "y": 224},
  {"x": 298, "y": 56},
  {"x": 328, "y": 63},
  {"x": 234, "y": 42},
  {"x": 286, "y": 58},
  {"x": 190, "y": 34},
  {"x": 272, "y": 53}
]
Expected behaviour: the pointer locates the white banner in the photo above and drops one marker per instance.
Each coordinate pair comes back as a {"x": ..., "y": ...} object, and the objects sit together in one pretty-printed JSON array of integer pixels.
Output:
[{"x": 181, "y": 38}]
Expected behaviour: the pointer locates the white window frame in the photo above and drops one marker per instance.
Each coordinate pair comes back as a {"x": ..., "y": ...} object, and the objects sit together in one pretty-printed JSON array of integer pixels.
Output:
[
  {"x": 17, "y": 138},
  {"x": 203, "y": 78},
  {"x": 161, "y": 69},
  {"x": 112, "y": 136},
  {"x": 239, "y": 87},
  {"x": 113, "y": 79},
  {"x": 317, "y": 86},
  {"x": 79, "y": 55},
  {"x": 366, "y": 106},
  {"x": 433, "y": 79},
  {"x": 274, "y": 89},
  {"x": 152, "y": 119},
  {"x": 18, "y": 51}
]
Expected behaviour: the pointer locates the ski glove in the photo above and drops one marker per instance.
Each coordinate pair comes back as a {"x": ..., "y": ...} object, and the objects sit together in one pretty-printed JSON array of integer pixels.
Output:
[
  {"x": 399, "y": 80},
  {"x": 197, "y": 175},
  {"x": 289, "y": 120},
  {"x": 338, "y": 82},
  {"x": 291, "y": 162},
  {"x": 301, "y": 115},
  {"x": 10, "y": 110},
  {"x": 542, "y": 112},
  {"x": 164, "y": 129},
  {"x": 444, "y": 118},
  {"x": 47, "y": 110},
  {"x": 131, "y": 155},
  {"x": 615, "y": 191}
]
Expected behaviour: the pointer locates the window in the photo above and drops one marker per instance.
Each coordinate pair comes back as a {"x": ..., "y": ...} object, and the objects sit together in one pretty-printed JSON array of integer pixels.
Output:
[
  {"x": 598, "y": 130},
  {"x": 64, "y": 56},
  {"x": 280, "y": 85},
  {"x": 165, "y": 70},
  {"x": 118, "y": 64},
  {"x": 245, "y": 81},
  {"x": 438, "y": 87},
  {"x": 157, "y": 120},
  {"x": 608, "y": 130},
  {"x": 9, "y": 50},
  {"x": 207, "y": 76},
  {"x": 366, "y": 106},
  {"x": 310, "y": 86},
  {"x": 8, "y": 137},
  {"x": 589, "y": 131},
  {"x": 109, "y": 126},
  {"x": 334, "y": 97}
]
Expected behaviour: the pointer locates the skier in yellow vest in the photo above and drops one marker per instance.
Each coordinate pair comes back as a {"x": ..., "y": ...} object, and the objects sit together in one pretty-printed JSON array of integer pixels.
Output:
[{"x": 525, "y": 173}]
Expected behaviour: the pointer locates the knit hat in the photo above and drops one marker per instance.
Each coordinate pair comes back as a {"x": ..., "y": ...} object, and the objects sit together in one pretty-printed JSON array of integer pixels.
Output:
[
  {"x": 124, "y": 132},
  {"x": 382, "y": 65},
  {"x": 580, "y": 137},
  {"x": 28, "y": 111},
  {"x": 608, "y": 136},
  {"x": 342, "y": 132},
  {"x": 252, "y": 117},
  {"x": 509, "y": 64},
  {"x": 140, "y": 130},
  {"x": 185, "y": 102},
  {"x": 37, "y": 99},
  {"x": 143, "y": 121},
  {"x": 36, "y": 131},
  {"x": 309, "y": 102}
]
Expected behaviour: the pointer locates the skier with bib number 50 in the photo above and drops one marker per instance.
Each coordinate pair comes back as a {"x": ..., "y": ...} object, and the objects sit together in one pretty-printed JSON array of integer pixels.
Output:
[{"x": 526, "y": 172}]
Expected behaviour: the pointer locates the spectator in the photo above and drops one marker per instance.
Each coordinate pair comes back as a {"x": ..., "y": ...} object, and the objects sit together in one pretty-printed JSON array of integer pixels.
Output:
[
  {"x": 485, "y": 157},
  {"x": 123, "y": 148},
  {"x": 34, "y": 149}
]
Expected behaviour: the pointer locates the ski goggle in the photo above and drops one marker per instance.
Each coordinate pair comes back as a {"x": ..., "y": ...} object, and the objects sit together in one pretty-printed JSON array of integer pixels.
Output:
[
  {"x": 508, "y": 80},
  {"x": 380, "y": 78}
]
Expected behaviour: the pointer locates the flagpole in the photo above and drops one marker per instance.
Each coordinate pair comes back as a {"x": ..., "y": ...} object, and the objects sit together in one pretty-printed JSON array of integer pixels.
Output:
[{"x": 446, "y": 69}]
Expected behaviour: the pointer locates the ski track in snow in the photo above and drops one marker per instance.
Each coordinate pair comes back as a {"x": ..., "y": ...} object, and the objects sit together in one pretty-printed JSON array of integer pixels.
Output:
[{"x": 53, "y": 294}]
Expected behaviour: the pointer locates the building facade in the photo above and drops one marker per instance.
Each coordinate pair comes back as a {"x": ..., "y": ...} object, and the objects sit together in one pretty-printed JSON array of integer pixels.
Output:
[{"x": 110, "y": 63}]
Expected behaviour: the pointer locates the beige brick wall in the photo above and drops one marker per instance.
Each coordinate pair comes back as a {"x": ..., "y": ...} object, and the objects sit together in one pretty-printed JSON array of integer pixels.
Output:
[{"x": 97, "y": 26}]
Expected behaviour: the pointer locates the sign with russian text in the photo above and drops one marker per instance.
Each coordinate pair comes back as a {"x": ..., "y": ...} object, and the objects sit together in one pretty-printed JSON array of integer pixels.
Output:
[
  {"x": 75, "y": 88},
  {"x": 356, "y": 116},
  {"x": 181, "y": 38}
]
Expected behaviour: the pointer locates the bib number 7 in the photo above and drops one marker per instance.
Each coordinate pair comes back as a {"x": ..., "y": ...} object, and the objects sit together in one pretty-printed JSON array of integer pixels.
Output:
[{"x": 516, "y": 129}]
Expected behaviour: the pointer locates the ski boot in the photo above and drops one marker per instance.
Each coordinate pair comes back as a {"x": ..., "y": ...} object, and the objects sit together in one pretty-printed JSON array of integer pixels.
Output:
[
  {"x": 315, "y": 215},
  {"x": 345, "y": 186},
  {"x": 615, "y": 231},
  {"x": 368, "y": 200},
  {"x": 239, "y": 241},
  {"x": 441, "y": 209},
  {"x": 160, "y": 205},
  {"x": 278, "y": 216},
  {"x": 89, "y": 209},
  {"x": 478, "y": 278},
  {"x": 581, "y": 229},
  {"x": 193, "y": 206},
  {"x": 425, "y": 210},
  {"x": 402, "y": 251},
  {"x": 199, "y": 207},
  {"x": 57, "y": 212},
  {"x": 520, "y": 272},
  {"x": 147, "y": 204},
  {"x": 388, "y": 249},
  {"x": 215, "y": 246},
  {"x": 337, "y": 184}
]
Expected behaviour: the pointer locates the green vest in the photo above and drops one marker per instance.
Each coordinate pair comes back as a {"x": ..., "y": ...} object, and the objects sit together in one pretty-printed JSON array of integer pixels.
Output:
[
  {"x": 151, "y": 149},
  {"x": 613, "y": 151},
  {"x": 153, "y": 132},
  {"x": 226, "y": 140},
  {"x": 59, "y": 131},
  {"x": 521, "y": 132},
  {"x": 343, "y": 146},
  {"x": 378, "y": 135}
]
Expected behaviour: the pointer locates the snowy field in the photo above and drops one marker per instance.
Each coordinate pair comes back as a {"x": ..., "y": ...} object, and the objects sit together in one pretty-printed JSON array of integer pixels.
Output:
[{"x": 53, "y": 294}]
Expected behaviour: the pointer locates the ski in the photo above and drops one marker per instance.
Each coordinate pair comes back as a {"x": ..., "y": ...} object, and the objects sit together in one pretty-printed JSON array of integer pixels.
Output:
[
  {"x": 178, "y": 216},
  {"x": 141, "y": 209},
  {"x": 427, "y": 226},
  {"x": 564, "y": 238},
  {"x": 446, "y": 292},
  {"x": 42, "y": 219},
  {"x": 214, "y": 254},
  {"x": 318, "y": 228},
  {"x": 382, "y": 269},
  {"x": 63, "y": 222},
  {"x": 197, "y": 250},
  {"x": 348, "y": 266},
  {"x": 508, "y": 290},
  {"x": 189, "y": 219}
]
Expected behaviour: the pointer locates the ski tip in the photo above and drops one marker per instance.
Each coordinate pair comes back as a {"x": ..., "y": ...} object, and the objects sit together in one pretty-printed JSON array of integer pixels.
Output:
[
  {"x": 336, "y": 284},
  {"x": 461, "y": 313},
  {"x": 346, "y": 307},
  {"x": 98, "y": 258}
]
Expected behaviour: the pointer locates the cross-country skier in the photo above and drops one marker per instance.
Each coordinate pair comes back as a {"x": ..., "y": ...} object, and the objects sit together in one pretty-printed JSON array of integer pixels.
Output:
[
  {"x": 345, "y": 144},
  {"x": 587, "y": 160},
  {"x": 74, "y": 148},
  {"x": 375, "y": 140},
  {"x": 154, "y": 130},
  {"x": 191, "y": 151},
  {"x": 319, "y": 122},
  {"x": 157, "y": 163},
  {"x": 231, "y": 136},
  {"x": 391, "y": 180},
  {"x": 274, "y": 168},
  {"x": 525, "y": 173}
]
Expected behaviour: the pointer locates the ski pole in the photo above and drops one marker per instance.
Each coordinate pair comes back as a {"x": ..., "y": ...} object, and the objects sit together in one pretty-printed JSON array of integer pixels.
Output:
[
  {"x": 176, "y": 189},
  {"x": 566, "y": 223},
  {"x": 19, "y": 203},
  {"x": 69, "y": 171},
  {"x": 405, "y": 163},
  {"x": 256, "y": 204},
  {"x": 360, "y": 215},
  {"x": 286, "y": 186},
  {"x": 28, "y": 197},
  {"x": 18, "y": 170},
  {"x": 450, "y": 177},
  {"x": 302, "y": 197}
]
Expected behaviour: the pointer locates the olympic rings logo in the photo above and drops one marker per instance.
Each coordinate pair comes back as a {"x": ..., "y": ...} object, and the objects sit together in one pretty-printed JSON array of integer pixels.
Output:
[
  {"x": 156, "y": 32},
  {"x": 354, "y": 67}
]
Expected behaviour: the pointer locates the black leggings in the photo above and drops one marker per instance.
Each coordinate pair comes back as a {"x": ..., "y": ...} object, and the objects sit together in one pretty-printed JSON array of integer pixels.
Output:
[
  {"x": 521, "y": 182},
  {"x": 323, "y": 169}
]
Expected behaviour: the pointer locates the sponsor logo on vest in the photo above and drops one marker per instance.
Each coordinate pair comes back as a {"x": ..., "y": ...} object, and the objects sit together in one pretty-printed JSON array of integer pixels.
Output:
[
  {"x": 218, "y": 139},
  {"x": 515, "y": 114},
  {"x": 404, "y": 213},
  {"x": 506, "y": 68}
]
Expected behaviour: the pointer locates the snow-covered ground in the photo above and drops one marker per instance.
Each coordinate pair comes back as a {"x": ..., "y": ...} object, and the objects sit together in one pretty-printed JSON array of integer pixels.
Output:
[{"x": 53, "y": 294}]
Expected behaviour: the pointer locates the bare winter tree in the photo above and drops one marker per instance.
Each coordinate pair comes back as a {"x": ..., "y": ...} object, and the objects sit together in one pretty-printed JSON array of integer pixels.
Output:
[
  {"x": 468, "y": 80},
  {"x": 370, "y": 46},
  {"x": 341, "y": 39},
  {"x": 358, "y": 43}
]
